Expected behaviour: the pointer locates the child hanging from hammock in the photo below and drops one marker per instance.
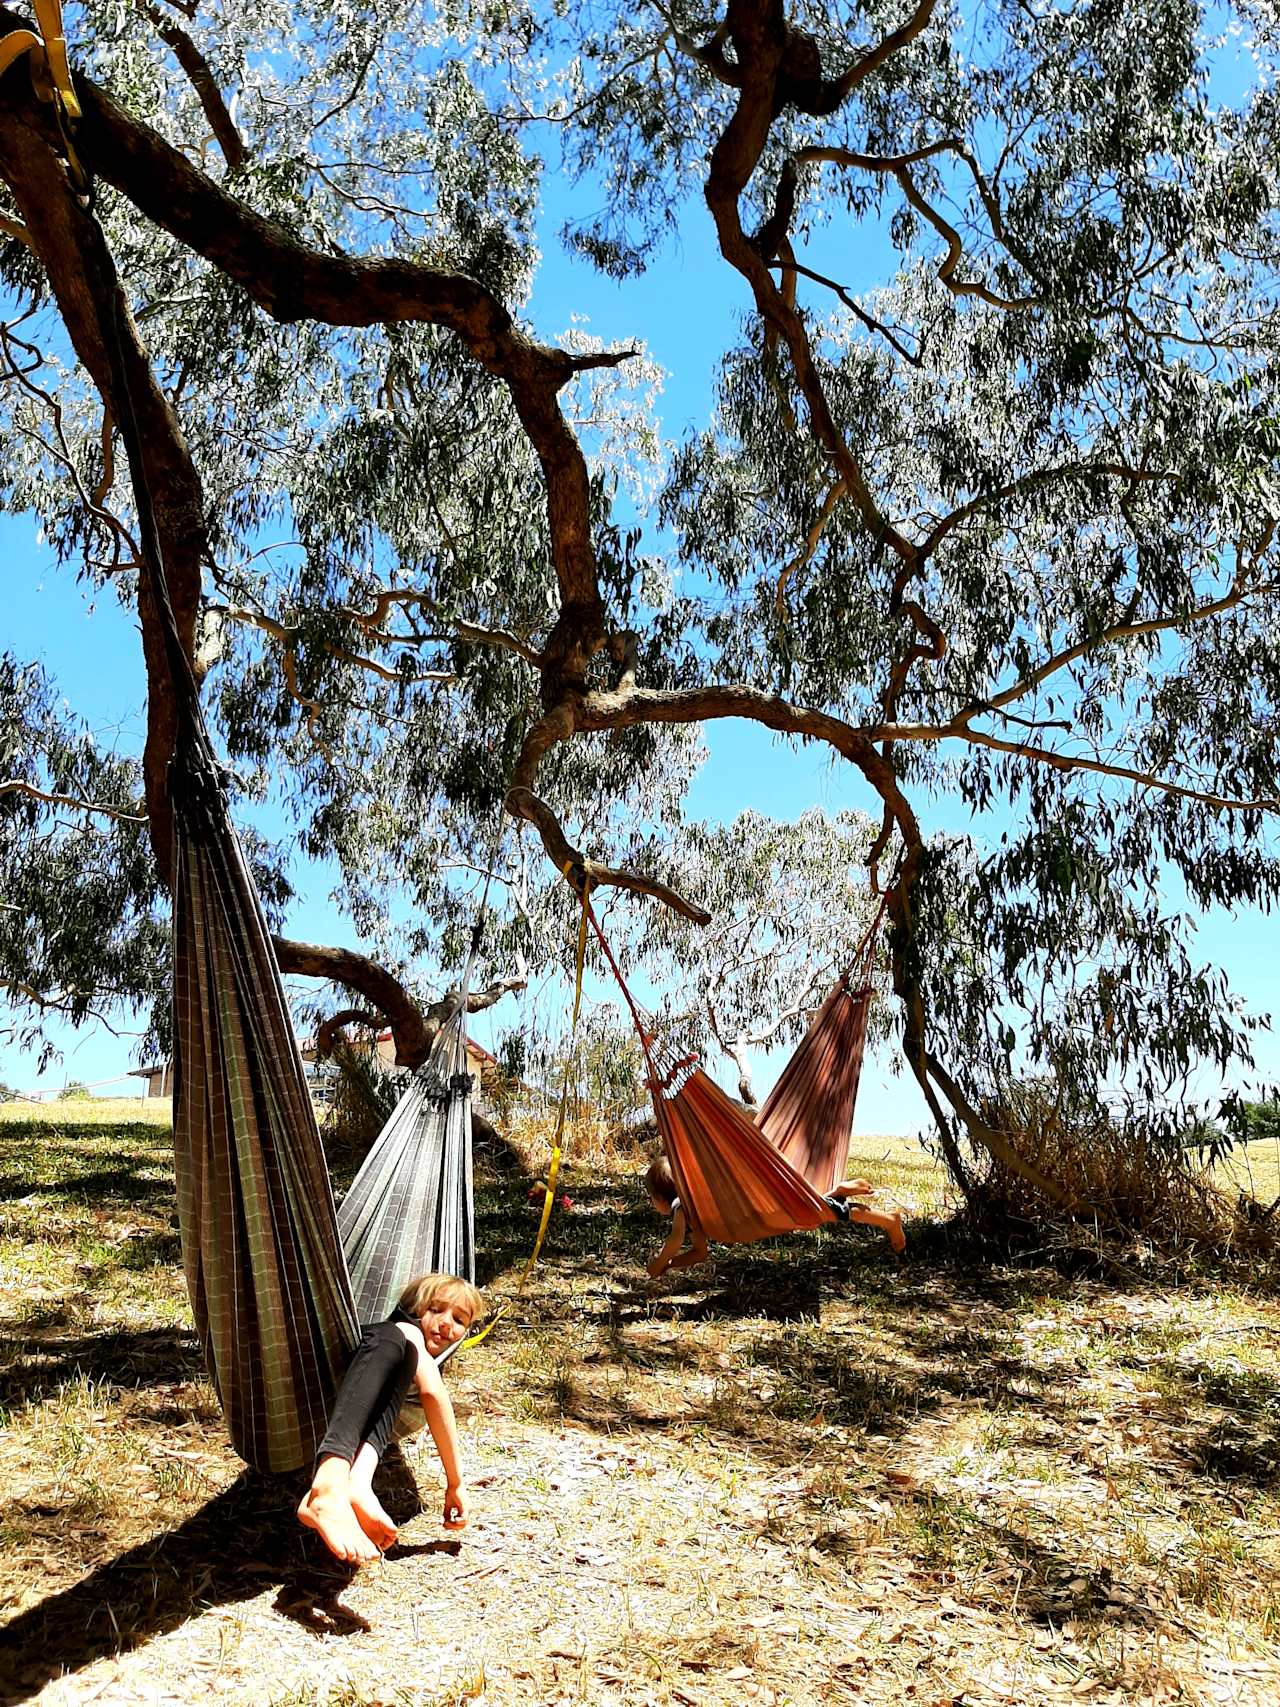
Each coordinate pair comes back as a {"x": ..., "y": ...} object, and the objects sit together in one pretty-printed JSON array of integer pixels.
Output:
[
  {"x": 434, "y": 1313},
  {"x": 660, "y": 1183}
]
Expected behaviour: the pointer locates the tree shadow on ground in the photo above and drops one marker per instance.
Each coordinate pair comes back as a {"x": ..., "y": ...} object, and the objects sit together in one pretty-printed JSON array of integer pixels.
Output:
[
  {"x": 792, "y": 1381},
  {"x": 149, "y": 1357},
  {"x": 1048, "y": 1583},
  {"x": 234, "y": 1548},
  {"x": 113, "y": 1183},
  {"x": 1241, "y": 1446}
]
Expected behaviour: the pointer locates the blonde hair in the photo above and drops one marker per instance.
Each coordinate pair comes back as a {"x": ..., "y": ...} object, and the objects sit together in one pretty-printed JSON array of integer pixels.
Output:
[
  {"x": 660, "y": 1182},
  {"x": 437, "y": 1291}
]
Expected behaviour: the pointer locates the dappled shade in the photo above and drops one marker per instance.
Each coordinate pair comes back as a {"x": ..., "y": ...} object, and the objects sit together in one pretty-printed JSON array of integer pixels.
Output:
[
  {"x": 411, "y": 1208},
  {"x": 808, "y": 1114},
  {"x": 264, "y": 1267}
]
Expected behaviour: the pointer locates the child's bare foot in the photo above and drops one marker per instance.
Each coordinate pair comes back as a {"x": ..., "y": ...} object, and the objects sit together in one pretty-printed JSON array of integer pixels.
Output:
[
  {"x": 333, "y": 1518},
  {"x": 372, "y": 1517},
  {"x": 853, "y": 1188},
  {"x": 897, "y": 1238}
]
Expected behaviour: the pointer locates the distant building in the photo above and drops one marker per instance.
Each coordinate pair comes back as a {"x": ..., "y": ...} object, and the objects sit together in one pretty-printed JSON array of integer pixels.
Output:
[
  {"x": 481, "y": 1063},
  {"x": 157, "y": 1081}
]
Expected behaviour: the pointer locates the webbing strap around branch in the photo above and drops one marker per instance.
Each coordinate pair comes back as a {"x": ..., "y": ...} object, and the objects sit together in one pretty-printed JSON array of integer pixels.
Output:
[{"x": 557, "y": 1137}]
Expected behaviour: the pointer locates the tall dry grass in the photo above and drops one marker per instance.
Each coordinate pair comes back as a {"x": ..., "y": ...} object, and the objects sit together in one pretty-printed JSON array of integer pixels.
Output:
[{"x": 1120, "y": 1180}]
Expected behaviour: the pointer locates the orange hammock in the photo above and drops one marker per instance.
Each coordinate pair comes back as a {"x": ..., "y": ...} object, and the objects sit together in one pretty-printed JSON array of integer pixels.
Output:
[{"x": 739, "y": 1180}]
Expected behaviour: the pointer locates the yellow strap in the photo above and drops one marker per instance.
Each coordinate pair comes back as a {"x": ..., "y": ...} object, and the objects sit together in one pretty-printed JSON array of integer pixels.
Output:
[
  {"x": 557, "y": 1146},
  {"x": 54, "y": 48},
  {"x": 16, "y": 43},
  {"x": 49, "y": 18},
  {"x": 487, "y": 1329}
]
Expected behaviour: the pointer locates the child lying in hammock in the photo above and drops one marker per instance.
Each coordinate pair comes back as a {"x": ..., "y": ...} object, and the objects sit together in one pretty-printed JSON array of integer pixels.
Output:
[
  {"x": 660, "y": 1183},
  {"x": 434, "y": 1312}
]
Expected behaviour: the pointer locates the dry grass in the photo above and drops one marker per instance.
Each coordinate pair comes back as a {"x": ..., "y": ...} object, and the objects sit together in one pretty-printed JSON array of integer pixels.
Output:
[
  {"x": 806, "y": 1475},
  {"x": 1124, "y": 1187},
  {"x": 1253, "y": 1169},
  {"x": 92, "y": 1111}
]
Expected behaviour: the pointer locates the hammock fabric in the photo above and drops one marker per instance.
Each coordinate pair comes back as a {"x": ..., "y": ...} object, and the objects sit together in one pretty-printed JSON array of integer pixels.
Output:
[
  {"x": 733, "y": 1184},
  {"x": 808, "y": 1114},
  {"x": 261, "y": 1249},
  {"x": 411, "y": 1208},
  {"x": 739, "y": 1179},
  {"x": 263, "y": 1260}
]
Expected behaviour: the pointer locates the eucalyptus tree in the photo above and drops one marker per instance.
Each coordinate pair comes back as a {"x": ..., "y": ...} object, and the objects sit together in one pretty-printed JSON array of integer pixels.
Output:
[
  {"x": 1001, "y": 528},
  {"x": 791, "y": 912},
  {"x": 306, "y": 458}
]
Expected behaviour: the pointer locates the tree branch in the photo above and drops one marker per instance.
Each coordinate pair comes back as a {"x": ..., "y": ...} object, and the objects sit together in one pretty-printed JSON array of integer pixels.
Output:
[
  {"x": 291, "y": 281},
  {"x": 205, "y": 84},
  {"x": 1143, "y": 779},
  {"x": 870, "y": 62},
  {"x": 1032, "y": 482},
  {"x": 14, "y": 785},
  {"x": 523, "y": 803},
  {"x": 413, "y": 1037}
]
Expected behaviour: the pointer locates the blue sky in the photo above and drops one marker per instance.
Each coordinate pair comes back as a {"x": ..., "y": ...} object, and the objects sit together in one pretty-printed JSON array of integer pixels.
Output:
[{"x": 687, "y": 310}]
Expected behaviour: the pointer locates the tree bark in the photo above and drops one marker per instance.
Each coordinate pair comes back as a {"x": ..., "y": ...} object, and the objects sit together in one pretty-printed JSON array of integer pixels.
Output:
[{"x": 82, "y": 275}]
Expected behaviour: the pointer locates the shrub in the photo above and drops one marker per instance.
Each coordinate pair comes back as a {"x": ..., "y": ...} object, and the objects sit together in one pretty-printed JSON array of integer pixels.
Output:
[
  {"x": 1123, "y": 1179},
  {"x": 75, "y": 1092}
]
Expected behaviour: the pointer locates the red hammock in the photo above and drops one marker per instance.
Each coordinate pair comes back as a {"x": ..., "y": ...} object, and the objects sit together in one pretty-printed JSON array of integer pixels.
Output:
[
  {"x": 740, "y": 1180},
  {"x": 733, "y": 1184},
  {"x": 809, "y": 1112}
]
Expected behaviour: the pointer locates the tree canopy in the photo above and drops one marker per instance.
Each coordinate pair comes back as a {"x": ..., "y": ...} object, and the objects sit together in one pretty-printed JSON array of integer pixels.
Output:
[{"x": 1001, "y": 527}]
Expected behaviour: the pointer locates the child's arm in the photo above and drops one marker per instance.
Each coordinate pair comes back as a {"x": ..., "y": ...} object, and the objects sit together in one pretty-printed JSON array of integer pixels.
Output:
[
  {"x": 671, "y": 1250},
  {"x": 438, "y": 1410},
  {"x": 696, "y": 1253}
]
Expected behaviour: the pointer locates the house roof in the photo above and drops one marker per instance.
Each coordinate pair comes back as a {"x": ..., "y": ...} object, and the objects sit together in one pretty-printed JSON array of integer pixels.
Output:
[{"x": 473, "y": 1048}]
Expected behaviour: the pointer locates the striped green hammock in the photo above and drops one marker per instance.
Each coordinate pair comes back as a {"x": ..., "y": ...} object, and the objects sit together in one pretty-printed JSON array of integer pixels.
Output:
[
  {"x": 268, "y": 1284},
  {"x": 278, "y": 1281}
]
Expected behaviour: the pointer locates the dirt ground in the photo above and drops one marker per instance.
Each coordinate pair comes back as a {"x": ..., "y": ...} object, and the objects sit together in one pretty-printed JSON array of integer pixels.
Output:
[{"x": 807, "y": 1474}]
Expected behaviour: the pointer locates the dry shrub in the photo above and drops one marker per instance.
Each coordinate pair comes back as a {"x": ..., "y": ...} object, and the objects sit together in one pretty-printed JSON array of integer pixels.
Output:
[
  {"x": 364, "y": 1096},
  {"x": 1123, "y": 1179},
  {"x": 589, "y": 1137}
]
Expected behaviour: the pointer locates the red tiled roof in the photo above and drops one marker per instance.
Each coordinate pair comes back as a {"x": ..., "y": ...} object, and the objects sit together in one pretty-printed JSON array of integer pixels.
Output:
[{"x": 473, "y": 1048}]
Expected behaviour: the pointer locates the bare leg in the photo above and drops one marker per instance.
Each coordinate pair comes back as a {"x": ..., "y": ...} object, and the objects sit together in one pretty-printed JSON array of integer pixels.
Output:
[
  {"x": 368, "y": 1508},
  {"x": 853, "y": 1188},
  {"x": 891, "y": 1225},
  {"x": 326, "y": 1507}
]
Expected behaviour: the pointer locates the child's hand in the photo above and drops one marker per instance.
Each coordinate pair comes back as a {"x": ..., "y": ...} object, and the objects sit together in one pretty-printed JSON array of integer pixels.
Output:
[{"x": 455, "y": 1506}]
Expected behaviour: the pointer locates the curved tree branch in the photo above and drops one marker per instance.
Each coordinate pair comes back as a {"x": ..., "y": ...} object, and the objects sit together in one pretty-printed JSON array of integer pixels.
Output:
[
  {"x": 345, "y": 966},
  {"x": 14, "y": 785},
  {"x": 523, "y": 803}
]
